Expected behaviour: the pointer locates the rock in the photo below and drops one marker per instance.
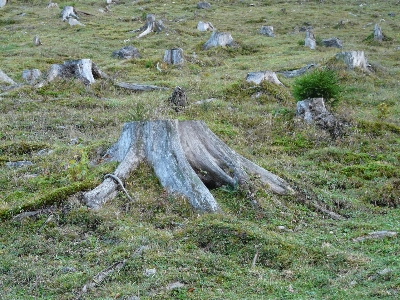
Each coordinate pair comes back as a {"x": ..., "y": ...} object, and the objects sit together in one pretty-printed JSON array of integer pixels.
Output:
[
  {"x": 310, "y": 40},
  {"x": 257, "y": 77},
  {"x": 174, "y": 285},
  {"x": 332, "y": 42},
  {"x": 173, "y": 56},
  {"x": 149, "y": 272},
  {"x": 353, "y": 59},
  {"x": 68, "y": 270},
  {"x": 267, "y": 30},
  {"x": 314, "y": 111},
  {"x": 19, "y": 164},
  {"x": 203, "y": 5},
  {"x": 126, "y": 52},
  {"x": 297, "y": 72},
  {"x": 218, "y": 39},
  {"x": 31, "y": 76},
  {"x": 391, "y": 14},
  {"x": 204, "y": 26}
]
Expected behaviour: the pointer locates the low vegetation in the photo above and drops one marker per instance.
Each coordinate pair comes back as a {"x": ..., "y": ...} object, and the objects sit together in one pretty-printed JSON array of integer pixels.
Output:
[{"x": 264, "y": 246}]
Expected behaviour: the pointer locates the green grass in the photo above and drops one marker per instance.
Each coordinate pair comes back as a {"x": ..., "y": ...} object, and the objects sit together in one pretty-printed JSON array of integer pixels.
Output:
[{"x": 301, "y": 252}]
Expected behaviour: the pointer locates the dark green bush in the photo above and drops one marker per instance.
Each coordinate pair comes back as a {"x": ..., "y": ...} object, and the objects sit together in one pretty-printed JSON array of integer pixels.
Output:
[{"x": 317, "y": 84}]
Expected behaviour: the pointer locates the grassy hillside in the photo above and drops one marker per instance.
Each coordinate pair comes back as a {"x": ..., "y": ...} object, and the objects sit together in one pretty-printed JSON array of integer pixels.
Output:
[{"x": 283, "y": 248}]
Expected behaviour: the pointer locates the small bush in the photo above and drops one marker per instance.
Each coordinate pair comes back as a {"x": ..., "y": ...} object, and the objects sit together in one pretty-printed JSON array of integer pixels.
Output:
[{"x": 317, "y": 84}]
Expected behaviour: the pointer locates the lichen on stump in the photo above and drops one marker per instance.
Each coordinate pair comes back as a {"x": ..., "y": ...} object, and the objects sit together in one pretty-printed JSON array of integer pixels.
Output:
[{"x": 187, "y": 157}]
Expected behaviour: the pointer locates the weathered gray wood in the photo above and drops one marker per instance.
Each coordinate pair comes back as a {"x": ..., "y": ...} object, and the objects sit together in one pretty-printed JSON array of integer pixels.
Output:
[
  {"x": 310, "y": 40},
  {"x": 353, "y": 59},
  {"x": 257, "y": 77},
  {"x": 218, "y": 39},
  {"x": 68, "y": 12},
  {"x": 151, "y": 26},
  {"x": 204, "y": 26},
  {"x": 126, "y": 52},
  {"x": 297, "y": 72},
  {"x": 186, "y": 156},
  {"x": 4, "y": 78},
  {"x": 203, "y": 5},
  {"x": 139, "y": 87},
  {"x": 267, "y": 30},
  {"x": 378, "y": 36},
  {"x": 83, "y": 69},
  {"x": 36, "y": 41},
  {"x": 31, "y": 76},
  {"x": 3, "y": 3},
  {"x": 332, "y": 42},
  {"x": 74, "y": 22},
  {"x": 174, "y": 56}
]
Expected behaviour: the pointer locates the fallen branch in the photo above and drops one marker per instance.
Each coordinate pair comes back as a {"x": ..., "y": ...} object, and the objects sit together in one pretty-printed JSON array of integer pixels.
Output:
[{"x": 139, "y": 87}]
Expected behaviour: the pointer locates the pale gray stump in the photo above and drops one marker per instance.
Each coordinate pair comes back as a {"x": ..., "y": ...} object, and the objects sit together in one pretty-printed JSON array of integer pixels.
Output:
[
  {"x": 378, "y": 36},
  {"x": 68, "y": 12},
  {"x": 267, "y": 30},
  {"x": 257, "y": 77},
  {"x": 218, "y": 39},
  {"x": 353, "y": 59},
  {"x": 186, "y": 157},
  {"x": 204, "y": 26},
  {"x": 173, "y": 56}
]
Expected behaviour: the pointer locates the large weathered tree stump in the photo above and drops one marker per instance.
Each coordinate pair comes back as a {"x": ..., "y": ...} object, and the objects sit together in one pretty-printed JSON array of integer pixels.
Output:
[
  {"x": 83, "y": 69},
  {"x": 173, "y": 56},
  {"x": 3, "y": 3},
  {"x": 187, "y": 157},
  {"x": 353, "y": 59},
  {"x": 218, "y": 39},
  {"x": 151, "y": 26}
]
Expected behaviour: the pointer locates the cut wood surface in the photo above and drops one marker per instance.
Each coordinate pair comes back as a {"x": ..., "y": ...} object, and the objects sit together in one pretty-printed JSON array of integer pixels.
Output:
[{"x": 187, "y": 157}]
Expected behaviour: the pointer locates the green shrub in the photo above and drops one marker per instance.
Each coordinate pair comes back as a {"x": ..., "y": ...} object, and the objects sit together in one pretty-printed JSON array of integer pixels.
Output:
[{"x": 317, "y": 84}]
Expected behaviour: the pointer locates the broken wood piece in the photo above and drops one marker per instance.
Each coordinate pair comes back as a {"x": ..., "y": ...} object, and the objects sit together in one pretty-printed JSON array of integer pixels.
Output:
[
  {"x": 68, "y": 12},
  {"x": 74, "y": 22},
  {"x": 310, "y": 40},
  {"x": 187, "y": 157},
  {"x": 257, "y": 77},
  {"x": 151, "y": 26},
  {"x": 297, "y": 72},
  {"x": 4, "y": 78},
  {"x": 378, "y": 35},
  {"x": 375, "y": 235},
  {"x": 139, "y": 87},
  {"x": 36, "y": 41}
]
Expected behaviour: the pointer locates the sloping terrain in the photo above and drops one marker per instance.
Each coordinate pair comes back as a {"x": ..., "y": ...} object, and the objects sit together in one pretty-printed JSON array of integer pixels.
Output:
[{"x": 263, "y": 246}]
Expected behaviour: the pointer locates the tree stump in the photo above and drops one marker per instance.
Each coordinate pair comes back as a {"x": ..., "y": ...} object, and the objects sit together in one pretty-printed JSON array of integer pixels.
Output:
[
  {"x": 151, "y": 26},
  {"x": 31, "y": 76},
  {"x": 218, "y": 39},
  {"x": 257, "y": 77},
  {"x": 3, "y": 3},
  {"x": 267, "y": 30},
  {"x": 178, "y": 99},
  {"x": 353, "y": 59},
  {"x": 83, "y": 69},
  {"x": 173, "y": 56},
  {"x": 187, "y": 157},
  {"x": 378, "y": 36},
  {"x": 126, "y": 52},
  {"x": 68, "y": 12},
  {"x": 4, "y": 78},
  {"x": 36, "y": 41},
  {"x": 204, "y": 26},
  {"x": 203, "y": 5},
  {"x": 314, "y": 111},
  {"x": 310, "y": 40},
  {"x": 332, "y": 42}
]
